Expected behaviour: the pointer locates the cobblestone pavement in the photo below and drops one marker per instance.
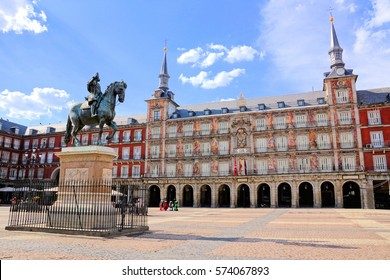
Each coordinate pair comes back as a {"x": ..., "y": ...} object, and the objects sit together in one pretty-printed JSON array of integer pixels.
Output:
[{"x": 204, "y": 233}]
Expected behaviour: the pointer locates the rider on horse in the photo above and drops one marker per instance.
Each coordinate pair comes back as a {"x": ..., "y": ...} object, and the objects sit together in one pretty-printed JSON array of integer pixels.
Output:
[{"x": 95, "y": 91}]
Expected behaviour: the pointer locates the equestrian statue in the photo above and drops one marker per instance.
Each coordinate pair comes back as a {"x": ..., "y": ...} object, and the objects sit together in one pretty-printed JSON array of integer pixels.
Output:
[{"x": 98, "y": 109}]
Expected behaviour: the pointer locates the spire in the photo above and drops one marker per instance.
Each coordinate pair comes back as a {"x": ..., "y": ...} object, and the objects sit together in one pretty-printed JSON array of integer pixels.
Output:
[
  {"x": 164, "y": 77},
  {"x": 335, "y": 51}
]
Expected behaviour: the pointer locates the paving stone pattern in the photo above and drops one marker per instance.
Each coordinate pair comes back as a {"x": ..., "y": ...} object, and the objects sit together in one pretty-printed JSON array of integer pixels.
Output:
[{"x": 217, "y": 233}]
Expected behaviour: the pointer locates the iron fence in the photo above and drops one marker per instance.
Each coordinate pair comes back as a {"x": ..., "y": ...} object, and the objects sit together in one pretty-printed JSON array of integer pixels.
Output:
[{"x": 95, "y": 207}]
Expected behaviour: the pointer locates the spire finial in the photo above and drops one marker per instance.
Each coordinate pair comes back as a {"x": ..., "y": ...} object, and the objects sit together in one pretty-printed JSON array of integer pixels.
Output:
[{"x": 331, "y": 19}]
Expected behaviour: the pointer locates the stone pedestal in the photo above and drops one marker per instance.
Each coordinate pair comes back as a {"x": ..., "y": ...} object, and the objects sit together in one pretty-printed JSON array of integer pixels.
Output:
[{"x": 84, "y": 191}]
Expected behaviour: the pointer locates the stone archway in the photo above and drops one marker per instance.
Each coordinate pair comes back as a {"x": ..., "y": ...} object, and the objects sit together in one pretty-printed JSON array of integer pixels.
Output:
[
  {"x": 306, "y": 198},
  {"x": 224, "y": 196},
  {"x": 154, "y": 196},
  {"x": 284, "y": 195},
  {"x": 351, "y": 195},
  {"x": 263, "y": 195},
  {"x": 205, "y": 196},
  {"x": 188, "y": 196},
  {"x": 243, "y": 196},
  {"x": 171, "y": 193},
  {"x": 327, "y": 195}
]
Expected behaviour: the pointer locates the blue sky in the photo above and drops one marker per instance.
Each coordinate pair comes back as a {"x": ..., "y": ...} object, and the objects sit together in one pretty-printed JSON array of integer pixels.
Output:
[{"x": 217, "y": 49}]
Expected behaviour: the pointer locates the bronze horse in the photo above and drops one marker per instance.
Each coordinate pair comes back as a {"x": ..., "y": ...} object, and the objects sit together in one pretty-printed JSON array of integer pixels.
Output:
[{"x": 80, "y": 114}]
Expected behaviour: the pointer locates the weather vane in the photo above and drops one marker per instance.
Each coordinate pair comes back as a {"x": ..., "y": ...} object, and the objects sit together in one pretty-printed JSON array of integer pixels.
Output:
[{"x": 331, "y": 13}]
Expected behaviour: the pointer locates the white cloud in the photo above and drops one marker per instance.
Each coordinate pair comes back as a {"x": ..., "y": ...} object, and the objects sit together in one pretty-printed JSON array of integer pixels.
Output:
[
  {"x": 19, "y": 16},
  {"x": 40, "y": 102},
  {"x": 191, "y": 56},
  {"x": 222, "y": 79},
  {"x": 381, "y": 13},
  {"x": 241, "y": 53},
  {"x": 210, "y": 59}
]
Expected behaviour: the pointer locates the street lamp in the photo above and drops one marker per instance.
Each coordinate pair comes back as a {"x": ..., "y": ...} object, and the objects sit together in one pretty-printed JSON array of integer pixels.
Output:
[{"x": 32, "y": 162}]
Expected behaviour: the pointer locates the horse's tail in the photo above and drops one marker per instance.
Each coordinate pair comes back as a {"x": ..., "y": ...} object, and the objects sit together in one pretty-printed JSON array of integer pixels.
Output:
[{"x": 68, "y": 131}]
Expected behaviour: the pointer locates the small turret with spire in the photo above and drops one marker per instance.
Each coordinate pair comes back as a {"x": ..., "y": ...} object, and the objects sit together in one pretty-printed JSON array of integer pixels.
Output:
[
  {"x": 337, "y": 64},
  {"x": 163, "y": 88}
]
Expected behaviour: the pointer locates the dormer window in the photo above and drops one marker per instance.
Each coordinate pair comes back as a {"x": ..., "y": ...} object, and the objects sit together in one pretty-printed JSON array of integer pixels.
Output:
[
  {"x": 207, "y": 112},
  {"x": 33, "y": 132},
  {"x": 243, "y": 108},
  {"x": 281, "y": 104},
  {"x": 191, "y": 113},
  {"x": 225, "y": 110},
  {"x": 262, "y": 106},
  {"x": 321, "y": 100},
  {"x": 14, "y": 130},
  {"x": 301, "y": 102},
  {"x": 175, "y": 115},
  {"x": 50, "y": 129}
]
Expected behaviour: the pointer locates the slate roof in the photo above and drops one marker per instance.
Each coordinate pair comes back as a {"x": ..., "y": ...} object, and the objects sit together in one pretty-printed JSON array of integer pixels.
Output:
[
  {"x": 373, "y": 96},
  {"x": 8, "y": 126}
]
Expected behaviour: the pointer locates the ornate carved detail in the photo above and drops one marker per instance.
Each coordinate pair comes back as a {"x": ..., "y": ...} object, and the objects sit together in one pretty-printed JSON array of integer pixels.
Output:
[{"x": 241, "y": 122}]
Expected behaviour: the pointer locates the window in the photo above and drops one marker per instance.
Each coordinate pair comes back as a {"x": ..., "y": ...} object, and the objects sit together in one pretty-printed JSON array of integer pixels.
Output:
[
  {"x": 171, "y": 131},
  {"x": 1, "y": 140},
  {"x": 262, "y": 166},
  {"x": 42, "y": 158},
  {"x": 281, "y": 104},
  {"x": 282, "y": 165},
  {"x": 171, "y": 170},
  {"x": 281, "y": 143},
  {"x": 114, "y": 171},
  {"x": 260, "y": 124},
  {"x": 205, "y": 169},
  {"x": 136, "y": 171},
  {"x": 84, "y": 139},
  {"x": 7, "y": 142},
  {"x": 300, "y": 120},
  {"x": 374, "y": 117},
  {"x": 261, "y": 145},
  {"x": 40, "y": 173},
  {"x": 104, "y": 137},
  {"x": 280, "y": 122},
  {"x": 95, "y": 138},
  {"x": 12, "y": 173},
  {"x": 380, "y": 163},
  {"x": 27, "y": 143},
  {"x": 16, "y": 144},
  {"x": 137, "y": 152},
  {"x": 205, "y": 129},
  {"x": 50, "y": 157},
  {"x": 223, "y": 127},
  {"x": 124, "y": 171},
  {"x": 261, "y": 106},
  {"x": 205, "y": 148},
  {"x": 301, "y": 102},
  {"x": 5, "y": 156},
  {"x": 225, "y": 110},
  {"x": 188, "y": 169},
  {"x": 323, "y": 141},
  {"x": 349, "y": 163},
  {"x": 243, "y": 108},
  {"x": 188, "y": 149},
  {"x": 302, "y": 142},
  {"x": 22, "y": 173},
  {"x": 191, "y": 113},
  {"x": 52, "y": 142},
  {"x": 321, "y": 100},
  {"x": 14, "y": 158},
  {"x": 322, "y": 119},
  {"x": 154, "y": 170},
  {"x": 126, "y": 136},
  {"x": 188, "y": 129},
  {"x": 223, "y": 168},
  {"x": 325, "y": 164},
  {"x": 3, "y": 172},
  {"x": 155, "y": 132},
  {"x": 342, "y": 96},
  {"x": 303, "y": 164},
  {"x": 345, "y": 117},
  {"x": 125, "y": 153},
  {"x": 156, "y": 115},
  {"x": 138, "y": 135},
  {"x": 207, "y": 112},
  {"x": 171, "y": 150},
  {"x": 346, "y": 140},
  {"x": 223, "y": 147},
  {"x": 116, "y": 153},
  {"x": 155, "y": 151},
  {"x": 377, "y": 139},
  {"x": 116, "y": 137}
]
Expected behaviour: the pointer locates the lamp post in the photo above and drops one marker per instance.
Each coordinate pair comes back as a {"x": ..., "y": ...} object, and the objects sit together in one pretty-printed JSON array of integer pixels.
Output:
[{"x": 32, "y": 161}]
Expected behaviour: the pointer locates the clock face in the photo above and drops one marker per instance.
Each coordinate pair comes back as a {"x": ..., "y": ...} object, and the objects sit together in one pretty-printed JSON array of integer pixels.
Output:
[{"x": 340, "y": 71}]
